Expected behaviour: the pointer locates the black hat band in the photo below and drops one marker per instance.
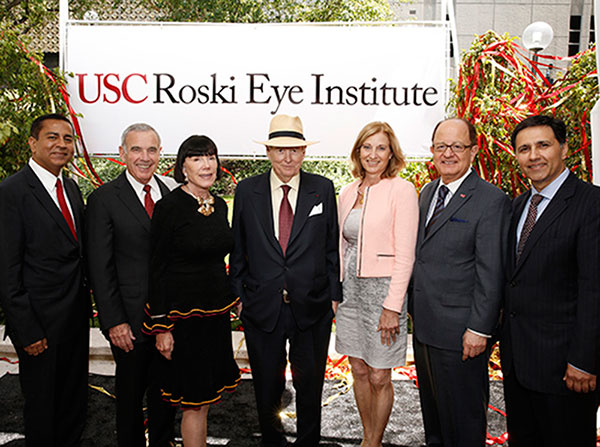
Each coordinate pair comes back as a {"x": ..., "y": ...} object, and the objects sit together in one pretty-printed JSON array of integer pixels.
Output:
[{"x": 286, "y": 133}]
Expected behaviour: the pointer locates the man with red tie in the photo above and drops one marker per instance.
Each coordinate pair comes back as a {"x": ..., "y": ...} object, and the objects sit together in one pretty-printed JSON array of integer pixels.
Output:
[
  {"x": 118, "y": 218},
  {"x": 42, "y": 286},
  {"x": 285, "y": 268}
]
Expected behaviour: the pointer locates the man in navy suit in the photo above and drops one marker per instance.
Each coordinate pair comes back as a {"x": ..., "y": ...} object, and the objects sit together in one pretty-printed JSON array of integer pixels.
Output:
[
  {"x": 118, "y": 239},
  {"x": 550, "y": 343},
  {"x": 285, "y": 269},
  {"x": 42, "y": 286}
]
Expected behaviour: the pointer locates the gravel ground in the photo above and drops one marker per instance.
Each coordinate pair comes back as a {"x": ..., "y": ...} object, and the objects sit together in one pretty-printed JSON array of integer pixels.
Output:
[{"x": 233, "y": 421}]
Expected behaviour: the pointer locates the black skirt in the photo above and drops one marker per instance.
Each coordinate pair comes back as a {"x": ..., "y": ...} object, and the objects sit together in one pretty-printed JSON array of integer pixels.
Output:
[{"x": 202, "y": 365}]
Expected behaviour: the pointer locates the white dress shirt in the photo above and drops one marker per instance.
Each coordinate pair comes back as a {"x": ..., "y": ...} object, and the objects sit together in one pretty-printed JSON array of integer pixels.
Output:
[
  {"x": 49, "y": 181},
  {"x": 452, "y": 186},
  {"x": 547, "y": 194},
  {"x": 277, "y": 196},
  {"x": 139, "y": 188}
]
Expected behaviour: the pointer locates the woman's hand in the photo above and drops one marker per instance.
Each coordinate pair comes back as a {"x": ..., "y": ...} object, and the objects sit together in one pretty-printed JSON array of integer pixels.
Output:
[
  {"x": 334, "y": 306},
  {"x": 237, "y": 309},
  {"x": 389, "y": 326},
  {"x": 164, "y": 344}
]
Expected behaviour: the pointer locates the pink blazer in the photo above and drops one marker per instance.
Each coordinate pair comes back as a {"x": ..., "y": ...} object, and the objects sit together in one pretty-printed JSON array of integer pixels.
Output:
[{"x": 387, "y": 235}]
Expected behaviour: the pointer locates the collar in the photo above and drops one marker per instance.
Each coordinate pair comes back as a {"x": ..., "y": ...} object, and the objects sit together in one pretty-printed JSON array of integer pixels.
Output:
[
  {"x": 453, "y": 186},
  {"x": 139, "y": 187},
  {"x": 276, "y": 182},
  {"x": 549, "y": 191},
  {"x": 46, "y": 177}
]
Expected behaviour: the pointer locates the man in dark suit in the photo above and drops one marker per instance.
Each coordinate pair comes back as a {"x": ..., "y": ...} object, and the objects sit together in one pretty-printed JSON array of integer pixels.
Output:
[
  {"x": 456, "y": 289},
  {"x": 285, "y": 268},
  {"x": 42, "y": 286},
  {"x": 550, "y": 343},
  {"x": 117, "y": 233}
]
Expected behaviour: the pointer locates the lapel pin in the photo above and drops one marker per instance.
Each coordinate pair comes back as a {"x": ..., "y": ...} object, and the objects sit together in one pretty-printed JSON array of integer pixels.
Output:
[{"x": 462, "y": 196}]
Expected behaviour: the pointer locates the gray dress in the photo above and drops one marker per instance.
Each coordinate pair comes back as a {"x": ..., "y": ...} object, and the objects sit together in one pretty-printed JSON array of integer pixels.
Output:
[{"x": 358, "y": 315}]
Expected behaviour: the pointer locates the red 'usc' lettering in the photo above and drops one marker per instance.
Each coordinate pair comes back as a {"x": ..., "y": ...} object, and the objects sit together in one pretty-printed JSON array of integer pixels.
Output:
[{"x": 109, "y": 87}]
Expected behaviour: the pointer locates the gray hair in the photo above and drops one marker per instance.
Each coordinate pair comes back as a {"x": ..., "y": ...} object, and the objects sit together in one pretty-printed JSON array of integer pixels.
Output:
[{"x": 137, "y": 127}]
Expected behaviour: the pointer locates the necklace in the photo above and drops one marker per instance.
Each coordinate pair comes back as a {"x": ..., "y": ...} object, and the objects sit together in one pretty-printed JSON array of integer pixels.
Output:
[
  {"x": 361, "y": 197},
  {"x": 205, "y": 206}
]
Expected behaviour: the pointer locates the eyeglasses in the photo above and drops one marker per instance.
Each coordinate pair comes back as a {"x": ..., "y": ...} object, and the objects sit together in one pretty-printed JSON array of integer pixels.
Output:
[{"x": 457, "y": 148}]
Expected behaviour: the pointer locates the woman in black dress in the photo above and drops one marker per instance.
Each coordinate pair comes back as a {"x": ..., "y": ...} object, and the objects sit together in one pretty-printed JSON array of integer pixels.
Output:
[{"x": 190, "y": 296}]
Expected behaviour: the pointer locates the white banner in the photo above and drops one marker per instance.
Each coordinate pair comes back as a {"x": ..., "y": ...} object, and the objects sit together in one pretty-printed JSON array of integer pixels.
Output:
[{"x": 227, "y": 81}]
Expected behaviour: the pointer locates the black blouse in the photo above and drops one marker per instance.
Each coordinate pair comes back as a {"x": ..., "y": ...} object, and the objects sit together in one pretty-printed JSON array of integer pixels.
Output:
[{"x": 188, "y": 277}]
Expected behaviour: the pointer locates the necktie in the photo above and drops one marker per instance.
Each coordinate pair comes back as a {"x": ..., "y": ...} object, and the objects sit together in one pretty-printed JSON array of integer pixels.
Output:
[
  {"x": 529, "y": 223},
  {"x": 148, "y": 202},
  {"x": 439, "y": 206},
  {"x": 62, "y": 203},
  {"x": 286, "y": 217}
]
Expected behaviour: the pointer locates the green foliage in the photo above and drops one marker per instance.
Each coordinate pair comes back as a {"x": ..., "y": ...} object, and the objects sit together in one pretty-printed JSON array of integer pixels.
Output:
[
  {"x": 274, "y": 11},
  {"x": 497, "y": 89},
  {"x": 26, "y": 93}
]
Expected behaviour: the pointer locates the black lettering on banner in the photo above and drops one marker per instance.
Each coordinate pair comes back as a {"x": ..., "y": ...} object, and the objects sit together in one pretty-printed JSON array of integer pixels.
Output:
[{"x": 166, "y": 90}]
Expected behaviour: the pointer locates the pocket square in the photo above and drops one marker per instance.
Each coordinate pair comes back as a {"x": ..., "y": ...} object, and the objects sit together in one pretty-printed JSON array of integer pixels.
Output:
[
  {"x": 456, "y": 219},
  {"x": 317, "y": 209}
]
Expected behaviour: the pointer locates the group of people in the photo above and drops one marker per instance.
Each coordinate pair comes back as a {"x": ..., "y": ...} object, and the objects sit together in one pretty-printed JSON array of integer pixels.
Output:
[{"x": 469, "y": 268}]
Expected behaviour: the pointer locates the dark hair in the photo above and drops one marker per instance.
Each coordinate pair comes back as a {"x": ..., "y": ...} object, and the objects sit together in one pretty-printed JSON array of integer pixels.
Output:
[
  {"x": 558, "y": 127},
  {"x": 471, "y": 127},
  {"x": 38, "y": 123},
  {"x": 196, "y": 145}
]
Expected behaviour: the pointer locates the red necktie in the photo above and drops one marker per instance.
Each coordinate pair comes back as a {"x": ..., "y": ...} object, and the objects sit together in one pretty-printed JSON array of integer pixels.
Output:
[
  {"x": 64, "y": 208},
  {"x": 286, "y": 217},
  {"x": 148, "y": 202}
]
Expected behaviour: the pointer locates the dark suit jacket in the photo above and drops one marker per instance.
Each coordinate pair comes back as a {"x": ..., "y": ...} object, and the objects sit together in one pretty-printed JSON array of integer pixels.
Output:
[
  {"x": 552, "y": 302},
  {"x": 459, "y": 274},
  {"x": 310, "y": 269},
  {"x": 42, "y": 282},
  {"x": 118, "y": 240}
]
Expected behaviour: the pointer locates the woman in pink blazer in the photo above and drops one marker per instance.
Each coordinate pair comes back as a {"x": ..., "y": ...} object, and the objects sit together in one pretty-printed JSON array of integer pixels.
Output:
[{"x": 378, "y": 232}]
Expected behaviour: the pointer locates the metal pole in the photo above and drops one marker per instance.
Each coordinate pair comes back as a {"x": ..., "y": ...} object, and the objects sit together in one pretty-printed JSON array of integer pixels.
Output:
[{"x": 63, "y": 17}]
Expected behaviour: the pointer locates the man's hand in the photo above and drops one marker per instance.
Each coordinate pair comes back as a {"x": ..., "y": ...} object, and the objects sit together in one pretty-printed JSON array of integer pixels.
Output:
[
  {"x": 121, "y": 336},
  {"x": 164, "y": 344},
  {"x": 389, "y": 326},
  {"x": 473, "y": 345},
  {"x": 579, "y": 381},
  {"x": 334, "y": 306},
  {"x": 36, "y": 348}
]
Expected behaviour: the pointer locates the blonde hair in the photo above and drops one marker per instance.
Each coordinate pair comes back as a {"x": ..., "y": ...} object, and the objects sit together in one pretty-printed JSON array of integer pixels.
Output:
[{"x": 397, "y": 161}]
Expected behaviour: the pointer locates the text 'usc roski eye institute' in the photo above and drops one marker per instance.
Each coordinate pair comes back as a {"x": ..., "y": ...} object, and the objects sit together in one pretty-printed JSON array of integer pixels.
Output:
[{"x": 253, "y": 88}]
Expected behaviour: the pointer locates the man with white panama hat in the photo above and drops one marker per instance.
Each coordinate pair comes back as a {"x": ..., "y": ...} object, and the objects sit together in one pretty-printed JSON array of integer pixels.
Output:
[{"x": 285, "y": 269}]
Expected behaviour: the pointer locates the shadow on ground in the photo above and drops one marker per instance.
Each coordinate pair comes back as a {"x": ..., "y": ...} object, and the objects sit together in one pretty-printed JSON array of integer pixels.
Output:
[{"x": 233, "y": 421}]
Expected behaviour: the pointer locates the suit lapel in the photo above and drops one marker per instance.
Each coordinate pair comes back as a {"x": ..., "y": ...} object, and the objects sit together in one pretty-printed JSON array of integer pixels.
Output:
[
  {"x": 264, "y": 209},
  {"x": 41, "y": 194},
  {"x": 164, "y": 189},
  {"x": 424, "y": 204},
  {"x": 555, "y": 208},
  {"x": 307, "y": 198},
  {"x": 76, "y": 206},
  {"x": 462, "y": 196},
  {"x": 514, "y": 223},
  {"x": 126, "y": 194}
]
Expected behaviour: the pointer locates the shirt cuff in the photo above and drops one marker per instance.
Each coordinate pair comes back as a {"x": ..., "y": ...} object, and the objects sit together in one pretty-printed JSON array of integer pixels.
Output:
[
  {"x": 581, "y": 370},
  {"x": 479, "y": 333}
]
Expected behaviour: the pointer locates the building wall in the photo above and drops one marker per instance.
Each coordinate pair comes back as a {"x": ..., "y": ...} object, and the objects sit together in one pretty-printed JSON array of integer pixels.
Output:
[{"x": 475, "y": 17}]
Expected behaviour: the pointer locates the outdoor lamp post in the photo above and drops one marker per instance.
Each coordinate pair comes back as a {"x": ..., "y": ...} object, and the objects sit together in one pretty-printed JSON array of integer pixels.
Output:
[{"x": 536, "y": 37}]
